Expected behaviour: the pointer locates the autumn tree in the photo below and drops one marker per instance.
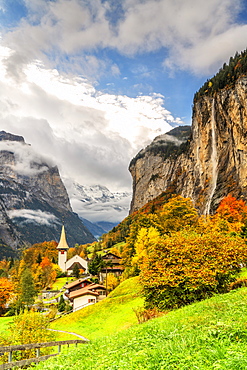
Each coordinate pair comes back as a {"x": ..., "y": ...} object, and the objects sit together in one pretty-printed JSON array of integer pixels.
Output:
[
  {"x": 111, "y": 282},
  {"x": 185, "y": 267},
  {"x": 45, "y": 274},
  {"x": 178, "y": 213},
  {"x": 6, "y": 291},
  {"x": 232, "y": 209}
]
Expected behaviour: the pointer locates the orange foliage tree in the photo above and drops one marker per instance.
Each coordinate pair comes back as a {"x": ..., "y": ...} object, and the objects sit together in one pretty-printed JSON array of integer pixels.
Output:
[
  {"x": 232, "y": 209},
  {"x": 45, "y": 274},
  {"x": 185, "y": 267},
  {"x": 38, "y": 251},
  {"x": 6, "y": 290}
]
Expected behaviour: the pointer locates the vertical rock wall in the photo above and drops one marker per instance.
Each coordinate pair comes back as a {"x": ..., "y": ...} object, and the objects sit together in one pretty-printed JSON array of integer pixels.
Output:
[{"x": 215, "y": 162}]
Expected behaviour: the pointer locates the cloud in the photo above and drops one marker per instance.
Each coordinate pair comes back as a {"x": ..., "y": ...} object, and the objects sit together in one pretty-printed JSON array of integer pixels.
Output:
[
  {"x": 26, "y": 161},
  {"x": 67, "y": 33},
  {"x": 90, "y": 135},
  {"x": 32, "y": 216}
]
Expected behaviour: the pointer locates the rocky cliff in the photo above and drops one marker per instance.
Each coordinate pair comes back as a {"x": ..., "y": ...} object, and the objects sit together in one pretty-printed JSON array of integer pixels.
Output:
[
  {"x": 33, "y": 200},
  {"x": 210, "y": 165}
]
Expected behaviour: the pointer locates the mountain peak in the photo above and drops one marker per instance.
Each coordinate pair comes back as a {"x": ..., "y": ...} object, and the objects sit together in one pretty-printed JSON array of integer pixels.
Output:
[{"x": 6, "y": 136}]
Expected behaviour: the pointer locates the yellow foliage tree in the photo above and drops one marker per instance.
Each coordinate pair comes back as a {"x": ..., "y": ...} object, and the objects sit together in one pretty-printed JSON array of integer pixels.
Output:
[
  {"x": 185, "y": 266},
  {"x": 111, "y": 282},
  {"x": 178, "y": 213}
]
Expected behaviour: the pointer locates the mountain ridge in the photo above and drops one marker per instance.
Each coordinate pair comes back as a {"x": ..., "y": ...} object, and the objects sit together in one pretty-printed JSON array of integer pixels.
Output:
[{"x": 34, "y": 199}]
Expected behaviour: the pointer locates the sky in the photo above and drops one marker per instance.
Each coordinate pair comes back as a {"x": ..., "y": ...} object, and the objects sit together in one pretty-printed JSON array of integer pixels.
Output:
[{"x": 89, "y": 83}]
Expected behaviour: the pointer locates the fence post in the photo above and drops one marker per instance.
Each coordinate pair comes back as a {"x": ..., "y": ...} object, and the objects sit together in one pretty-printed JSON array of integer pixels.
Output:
[
  {"x": 10, "y": 356},
  {"x": 37, "y": 352},
  {"x": 59, "y": 348}
]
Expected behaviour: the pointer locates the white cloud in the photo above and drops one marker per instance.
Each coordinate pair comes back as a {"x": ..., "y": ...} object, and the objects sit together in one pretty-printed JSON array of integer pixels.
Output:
[
  {"x": 90, "y": 135},
  {"x": 26, "y": 161},
  {"x": 76, "y": 28},
  {"x": 37, "y": 217}
]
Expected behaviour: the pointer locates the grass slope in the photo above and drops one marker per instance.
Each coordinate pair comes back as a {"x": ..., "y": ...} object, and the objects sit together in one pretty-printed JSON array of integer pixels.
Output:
[
  {"x": 109, "y": 316},
  {"x": 5, "y": 322},
  {"x": 207, "y": 335}
]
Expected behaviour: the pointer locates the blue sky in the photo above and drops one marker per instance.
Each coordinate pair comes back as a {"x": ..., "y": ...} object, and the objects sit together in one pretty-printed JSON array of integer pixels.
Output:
[{"x": 90, "y": 82}]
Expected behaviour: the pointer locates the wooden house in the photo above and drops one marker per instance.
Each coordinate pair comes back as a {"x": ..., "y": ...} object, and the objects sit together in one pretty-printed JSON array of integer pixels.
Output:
[
  {"x": 87, "y": 295},
  {"x": 113, "y": 265}
]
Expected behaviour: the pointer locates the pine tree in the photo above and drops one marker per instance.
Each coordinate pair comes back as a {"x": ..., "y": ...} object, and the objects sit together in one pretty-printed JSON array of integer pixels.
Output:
[
  {"x": 28, "y": 291},
  {"x": 76, "y": 271},
  {"x": 61, "y": 305}
]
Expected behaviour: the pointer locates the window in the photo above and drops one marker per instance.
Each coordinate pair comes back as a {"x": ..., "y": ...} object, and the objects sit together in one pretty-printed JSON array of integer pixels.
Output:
[{"x": 91, "y": 300}]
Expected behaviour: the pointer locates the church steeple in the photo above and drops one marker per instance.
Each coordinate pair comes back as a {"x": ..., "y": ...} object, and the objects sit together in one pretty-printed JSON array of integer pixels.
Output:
[
  {"x": 62, "y": 250},
  {"x": 63, "y": 242}
]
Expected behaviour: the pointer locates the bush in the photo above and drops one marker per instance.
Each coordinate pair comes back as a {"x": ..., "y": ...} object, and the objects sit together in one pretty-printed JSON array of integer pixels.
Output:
[
  {"x": 145, "y": 315},
  {"x": 238, "y": 283},
  {"x": 30, "y": 327}
]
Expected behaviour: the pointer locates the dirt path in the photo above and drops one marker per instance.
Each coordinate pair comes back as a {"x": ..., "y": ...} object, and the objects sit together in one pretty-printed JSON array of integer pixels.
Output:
[{"x": 67, "y": 332}]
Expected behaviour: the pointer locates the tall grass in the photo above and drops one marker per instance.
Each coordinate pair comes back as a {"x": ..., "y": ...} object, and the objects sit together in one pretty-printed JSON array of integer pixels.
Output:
[{"x": 207, "y": 335}]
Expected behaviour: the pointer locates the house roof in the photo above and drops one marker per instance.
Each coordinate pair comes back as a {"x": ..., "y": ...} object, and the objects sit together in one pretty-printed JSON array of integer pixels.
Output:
[
  {"x": 111, "y": 268},
  {"x": 112, "y": 254},
  {"x": 89, "y": 289},
  {"x": 76, "y": 259},
  {"x": 74, "y": 283}
]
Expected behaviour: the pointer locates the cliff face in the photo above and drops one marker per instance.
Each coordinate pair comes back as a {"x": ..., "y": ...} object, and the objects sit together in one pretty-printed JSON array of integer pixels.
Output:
[
  {"x": 33, "y": 200},
  {"x": 211, "y": 165}
]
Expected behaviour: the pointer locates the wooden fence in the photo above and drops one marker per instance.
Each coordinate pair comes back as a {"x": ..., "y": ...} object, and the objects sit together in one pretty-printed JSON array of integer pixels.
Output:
[{"x": 37, "y": 346}]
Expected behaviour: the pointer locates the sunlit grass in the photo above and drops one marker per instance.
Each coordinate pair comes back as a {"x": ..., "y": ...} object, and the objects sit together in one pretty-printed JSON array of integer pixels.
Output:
[
  {"x": 206, "y": 335},
  {"x": 5, "y": 323},
  {"x": 59, "y": 283},
  {"x": 109, "y": 316}
]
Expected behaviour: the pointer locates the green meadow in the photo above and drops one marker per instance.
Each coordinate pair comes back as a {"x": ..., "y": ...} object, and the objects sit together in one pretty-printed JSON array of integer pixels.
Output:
[
  {"x": 206, "y": 335},
  {"x": 107, "y": 317}
]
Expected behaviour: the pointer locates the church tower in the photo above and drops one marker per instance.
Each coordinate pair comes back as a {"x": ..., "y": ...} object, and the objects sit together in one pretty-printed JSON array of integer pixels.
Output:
[{"x": 62, "y": 250}]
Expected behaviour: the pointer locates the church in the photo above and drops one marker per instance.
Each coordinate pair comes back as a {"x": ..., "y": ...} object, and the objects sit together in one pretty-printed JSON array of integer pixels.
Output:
[{"x": 68, "y": 265}]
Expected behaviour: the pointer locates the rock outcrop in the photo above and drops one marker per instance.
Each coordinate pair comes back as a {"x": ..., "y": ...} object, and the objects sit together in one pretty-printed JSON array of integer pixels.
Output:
[
  {"x": 33, "y": 200},
  {"x": 210, "y": 165}
]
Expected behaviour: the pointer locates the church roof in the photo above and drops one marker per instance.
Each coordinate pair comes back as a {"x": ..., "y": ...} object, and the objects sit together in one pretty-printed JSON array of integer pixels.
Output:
[{"x": 63, "y": 243}]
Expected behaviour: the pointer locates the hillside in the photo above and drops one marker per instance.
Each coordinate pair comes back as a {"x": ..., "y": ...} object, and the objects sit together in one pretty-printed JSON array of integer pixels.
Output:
[
  {"x": 107, "y": 317},
  {"x": 208, "y": 335}
]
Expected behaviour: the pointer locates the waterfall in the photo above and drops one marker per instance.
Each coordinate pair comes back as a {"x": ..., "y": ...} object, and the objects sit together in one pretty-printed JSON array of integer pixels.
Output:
[{"x": 214, "y": 160}]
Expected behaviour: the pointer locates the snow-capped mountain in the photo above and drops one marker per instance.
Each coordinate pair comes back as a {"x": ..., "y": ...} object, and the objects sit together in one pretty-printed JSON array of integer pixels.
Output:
[{"x": 97, "y": 203}]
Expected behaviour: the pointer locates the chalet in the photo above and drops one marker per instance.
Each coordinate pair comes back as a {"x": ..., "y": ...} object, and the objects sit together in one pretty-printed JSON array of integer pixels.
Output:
[
  {"x": 113, "y": 265},
  {"x": 87, "y": 295},
  {"x": 68, "y": 265},
  {"x": 77, "y": 284}
]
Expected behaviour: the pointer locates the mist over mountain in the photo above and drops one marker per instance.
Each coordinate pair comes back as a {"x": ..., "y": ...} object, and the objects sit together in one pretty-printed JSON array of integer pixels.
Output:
[{"x": 33, "y": 199}]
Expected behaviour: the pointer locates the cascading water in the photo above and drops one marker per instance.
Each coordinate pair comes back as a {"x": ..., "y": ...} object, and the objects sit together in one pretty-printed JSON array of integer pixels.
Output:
[{"x": 214, "y": 160}]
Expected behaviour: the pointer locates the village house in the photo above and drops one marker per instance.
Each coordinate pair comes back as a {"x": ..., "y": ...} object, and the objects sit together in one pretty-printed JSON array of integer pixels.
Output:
[
  {"x": 112, "y": 265},
  {"x": 83, "y": 292}
]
